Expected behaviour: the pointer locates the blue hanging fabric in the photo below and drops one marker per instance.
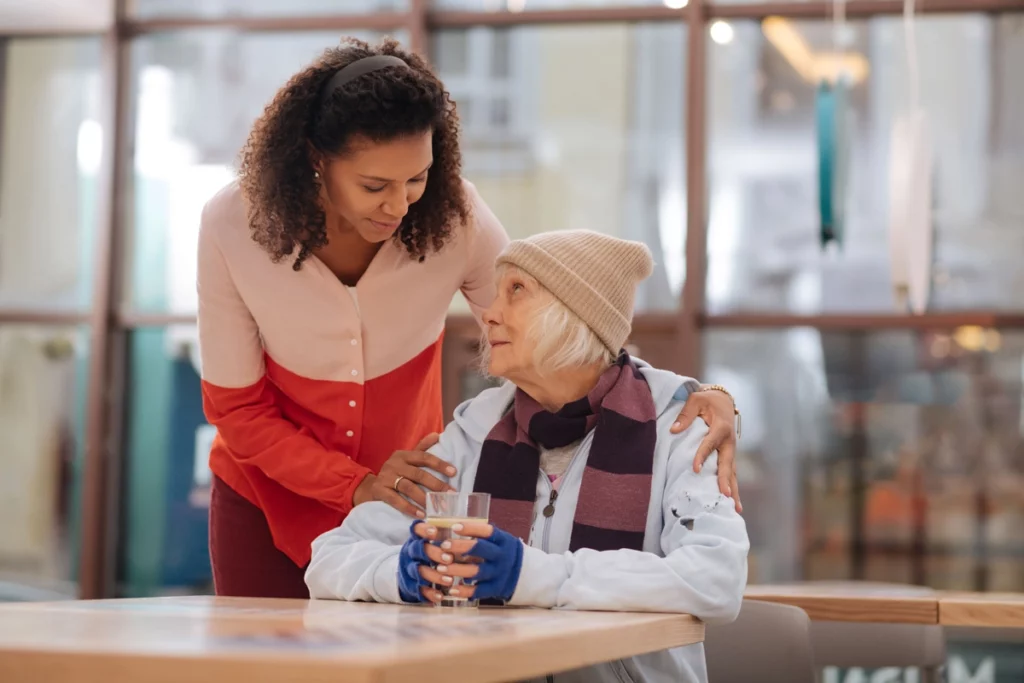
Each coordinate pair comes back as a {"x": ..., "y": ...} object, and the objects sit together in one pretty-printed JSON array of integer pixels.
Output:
[
  {"x": 825, "y": 106},
  {"x": 840, "y": 156}
]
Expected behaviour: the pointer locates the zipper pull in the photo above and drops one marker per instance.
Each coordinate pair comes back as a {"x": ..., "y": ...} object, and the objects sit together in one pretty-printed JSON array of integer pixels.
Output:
[{"x": 549, "y": 509}]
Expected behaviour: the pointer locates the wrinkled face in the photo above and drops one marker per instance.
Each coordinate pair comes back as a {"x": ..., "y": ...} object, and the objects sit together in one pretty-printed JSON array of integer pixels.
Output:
[
  {"x": 508, "y": 321},
  {"x": 372, "y": 185}
]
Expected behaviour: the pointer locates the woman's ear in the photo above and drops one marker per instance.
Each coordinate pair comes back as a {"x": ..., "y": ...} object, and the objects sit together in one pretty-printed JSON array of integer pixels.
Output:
[{"x": 316, "y": 161}]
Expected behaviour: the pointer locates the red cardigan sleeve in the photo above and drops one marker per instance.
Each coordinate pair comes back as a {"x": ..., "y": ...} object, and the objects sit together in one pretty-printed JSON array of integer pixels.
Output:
[{"x": 238, "y": 401}]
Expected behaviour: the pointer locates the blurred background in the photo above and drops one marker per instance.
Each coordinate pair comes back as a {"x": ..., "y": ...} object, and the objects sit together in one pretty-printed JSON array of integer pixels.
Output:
[{"x": 877, "y": 444}]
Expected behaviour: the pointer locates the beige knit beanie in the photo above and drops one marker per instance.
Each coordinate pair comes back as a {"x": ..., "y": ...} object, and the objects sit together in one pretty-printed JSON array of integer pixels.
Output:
[{"x": 594, "y": 275}]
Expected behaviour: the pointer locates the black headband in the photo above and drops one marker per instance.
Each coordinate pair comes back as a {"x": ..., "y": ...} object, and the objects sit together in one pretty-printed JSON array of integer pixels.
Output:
[{"x": 359, "y": 68}]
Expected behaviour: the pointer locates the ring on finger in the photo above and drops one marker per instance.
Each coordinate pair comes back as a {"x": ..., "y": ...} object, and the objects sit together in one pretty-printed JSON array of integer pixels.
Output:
[{"x": 398, "y": 481}]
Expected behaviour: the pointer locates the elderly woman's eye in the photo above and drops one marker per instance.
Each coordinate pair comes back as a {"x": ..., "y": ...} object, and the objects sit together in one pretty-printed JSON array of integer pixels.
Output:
[{"x": 516, "y": 287}]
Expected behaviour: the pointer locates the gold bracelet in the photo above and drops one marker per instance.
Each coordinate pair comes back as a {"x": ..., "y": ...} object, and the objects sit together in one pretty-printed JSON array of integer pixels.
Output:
[
  {"x": 718, "y": 387},
  {"x": 735, "y": 410}
]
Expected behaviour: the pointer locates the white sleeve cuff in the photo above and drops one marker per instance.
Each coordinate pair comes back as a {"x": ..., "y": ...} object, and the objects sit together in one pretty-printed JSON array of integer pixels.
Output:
[
  {"x": 385, "y": 580},
  {"x": 540, "y": 578}
]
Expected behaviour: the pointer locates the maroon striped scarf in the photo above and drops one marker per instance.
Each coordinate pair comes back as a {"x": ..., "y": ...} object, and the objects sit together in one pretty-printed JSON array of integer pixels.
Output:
[{"x": 616, "y": 488}]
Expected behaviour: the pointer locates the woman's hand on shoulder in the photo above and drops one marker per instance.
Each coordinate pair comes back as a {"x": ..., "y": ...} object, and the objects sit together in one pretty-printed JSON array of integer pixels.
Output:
[
  {"x": 717, "y": 409},
  {"x": 402, "y": 476}
]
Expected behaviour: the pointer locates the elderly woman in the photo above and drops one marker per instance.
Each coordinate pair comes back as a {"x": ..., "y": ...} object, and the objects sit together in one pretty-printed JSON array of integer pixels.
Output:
[{"x": 595, "y": 505}]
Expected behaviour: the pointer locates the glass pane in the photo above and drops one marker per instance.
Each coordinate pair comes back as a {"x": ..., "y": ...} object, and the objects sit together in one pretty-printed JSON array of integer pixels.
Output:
[
  {"x": 196, "y": 95},
  {"x": 755, "y": 2},
  {"x": 166, "y": 450},
  {"x": 763, "y": 245},
  {"x": 56, "y": 15},
  {"x": 984, "y": 654},
  {"x": 50, "y": 147},
  {"x": 577, "y": 127},
  {"x": 148, "y": 9},
  {"x": 43, "y": 374},
  {"x": 532, "y": 5},
  {"x": 889, "y": 456}
]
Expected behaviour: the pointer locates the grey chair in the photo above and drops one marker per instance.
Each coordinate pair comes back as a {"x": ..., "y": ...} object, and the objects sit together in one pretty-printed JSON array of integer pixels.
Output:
[
  {"x": 768, "y": 643},
  {"x": 873, "y": 646}
]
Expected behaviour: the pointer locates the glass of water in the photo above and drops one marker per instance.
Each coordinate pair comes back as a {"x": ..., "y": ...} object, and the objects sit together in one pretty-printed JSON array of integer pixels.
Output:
[{"x": 444, "y": 510}]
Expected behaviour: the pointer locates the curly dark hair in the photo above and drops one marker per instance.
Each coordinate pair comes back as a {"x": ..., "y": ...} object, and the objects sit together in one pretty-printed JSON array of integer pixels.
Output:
[{"x": 277, "y": 163}]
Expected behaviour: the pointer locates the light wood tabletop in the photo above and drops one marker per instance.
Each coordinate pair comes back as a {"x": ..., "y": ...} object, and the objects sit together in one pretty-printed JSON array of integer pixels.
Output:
[
  {"x": 205, "y": 639},
  {"x": 992, "y": 610},
  {"x": 868, "y": 602},
  {"x": 855, "y": 601}
]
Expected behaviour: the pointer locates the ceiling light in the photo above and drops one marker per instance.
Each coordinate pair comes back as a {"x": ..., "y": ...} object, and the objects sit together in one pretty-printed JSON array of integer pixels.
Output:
[{"x": 721, "y": 32}]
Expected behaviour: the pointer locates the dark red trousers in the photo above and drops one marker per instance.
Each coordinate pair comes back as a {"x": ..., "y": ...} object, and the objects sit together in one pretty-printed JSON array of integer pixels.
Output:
[{"x": 245, "y": 561}]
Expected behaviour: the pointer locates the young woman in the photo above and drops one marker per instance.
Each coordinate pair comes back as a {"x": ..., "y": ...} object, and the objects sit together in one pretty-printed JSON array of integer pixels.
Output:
[{"x": 325, "y": 275}]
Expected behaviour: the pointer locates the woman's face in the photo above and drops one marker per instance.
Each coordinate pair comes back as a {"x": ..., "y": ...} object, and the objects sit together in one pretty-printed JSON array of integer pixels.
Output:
[
  {"x": 373, "y": 184},
  {"x": 508, "y": 323}
]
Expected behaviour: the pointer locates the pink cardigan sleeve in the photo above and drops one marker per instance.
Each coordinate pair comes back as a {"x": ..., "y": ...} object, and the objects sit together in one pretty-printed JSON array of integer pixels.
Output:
[{"x": 489, "y": 239}]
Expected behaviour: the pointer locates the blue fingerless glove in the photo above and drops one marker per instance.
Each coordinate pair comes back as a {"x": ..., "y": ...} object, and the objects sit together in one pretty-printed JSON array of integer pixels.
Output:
[
  {"x": 498, "y": 576},
  {"x": 412, "y": 555}
]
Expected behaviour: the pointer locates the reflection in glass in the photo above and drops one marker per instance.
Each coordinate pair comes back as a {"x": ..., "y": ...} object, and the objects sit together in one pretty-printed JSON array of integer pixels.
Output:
[
  {"x": 888, "y": 456},
  {"x": 148, "y": 9},
  {"x": 50, "y": 153},
  {"x": 196, "y": 96},
  {"x": 577, "y": 127},
  {"x": 763, "y": 251},
  {"x": 166, "y": 452},
  {"x": 43, "y": 373}
]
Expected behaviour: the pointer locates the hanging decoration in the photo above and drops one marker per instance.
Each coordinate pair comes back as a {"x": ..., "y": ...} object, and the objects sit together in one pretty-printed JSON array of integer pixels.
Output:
[
  {"x": 825, "y": 105},
  {"x": 833, "y": 123},
  {"x": 911, "y": 230}
]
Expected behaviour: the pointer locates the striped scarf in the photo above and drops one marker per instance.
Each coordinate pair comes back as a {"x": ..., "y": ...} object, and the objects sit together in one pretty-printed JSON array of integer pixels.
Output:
[{"x": 616, "y": 489}]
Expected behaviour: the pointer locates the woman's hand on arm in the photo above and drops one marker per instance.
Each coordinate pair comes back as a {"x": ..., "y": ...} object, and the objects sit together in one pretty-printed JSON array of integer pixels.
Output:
[
  {"x": 718, "y": 410},
  {"x": 402, "y": 476}
]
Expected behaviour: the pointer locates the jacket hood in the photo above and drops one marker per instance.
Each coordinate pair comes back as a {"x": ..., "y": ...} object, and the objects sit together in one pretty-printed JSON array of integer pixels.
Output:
[{"x": 478, "y": 416}]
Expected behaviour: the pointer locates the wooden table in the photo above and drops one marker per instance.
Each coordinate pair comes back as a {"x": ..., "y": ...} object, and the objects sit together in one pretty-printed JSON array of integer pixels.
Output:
[
  {"x": 855, "y": 601},
  {"x": 887, "y": 603},
  {"x": 222, "y": 640},
  {"x": 993, "y": 610}
]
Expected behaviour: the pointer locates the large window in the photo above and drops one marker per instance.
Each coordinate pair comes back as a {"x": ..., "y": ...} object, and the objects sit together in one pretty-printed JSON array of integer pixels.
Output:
[{"x": 876, "y": 445}]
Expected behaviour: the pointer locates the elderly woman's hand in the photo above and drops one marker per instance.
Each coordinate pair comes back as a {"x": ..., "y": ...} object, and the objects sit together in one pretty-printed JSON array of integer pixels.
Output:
[
  {"x": 489, "y": 557},
  {"x": 717, "y": 409},
  {"x": 401, "y": 477}
]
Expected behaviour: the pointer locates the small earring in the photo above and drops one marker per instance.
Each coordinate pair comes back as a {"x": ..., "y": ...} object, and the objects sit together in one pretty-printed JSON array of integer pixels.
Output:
[{"x": 316, "y": 174}]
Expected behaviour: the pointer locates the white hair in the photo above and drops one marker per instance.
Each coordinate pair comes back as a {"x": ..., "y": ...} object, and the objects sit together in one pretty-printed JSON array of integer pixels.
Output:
[{"x": 561, "y": 338}]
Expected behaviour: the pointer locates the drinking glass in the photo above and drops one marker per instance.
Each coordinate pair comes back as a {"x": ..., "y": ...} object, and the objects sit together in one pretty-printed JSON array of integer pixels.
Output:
[{"x": 444, "y": 510}]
